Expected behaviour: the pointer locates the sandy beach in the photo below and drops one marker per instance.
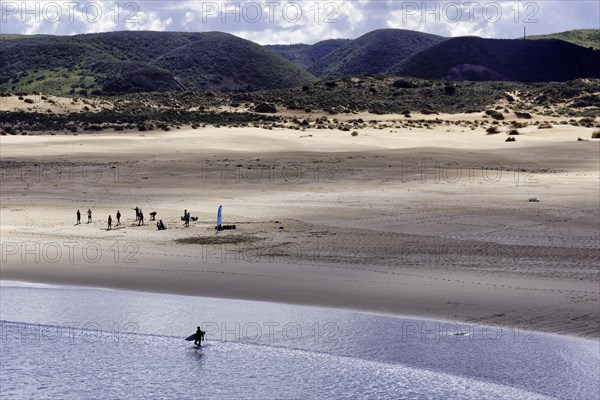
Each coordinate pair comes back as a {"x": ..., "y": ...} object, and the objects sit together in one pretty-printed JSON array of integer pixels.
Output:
[{"x": 438, "y": 223}]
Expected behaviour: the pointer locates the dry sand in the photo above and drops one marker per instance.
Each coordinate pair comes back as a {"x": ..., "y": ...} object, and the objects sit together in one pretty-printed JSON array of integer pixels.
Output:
[{"x": 414, "y": 222}]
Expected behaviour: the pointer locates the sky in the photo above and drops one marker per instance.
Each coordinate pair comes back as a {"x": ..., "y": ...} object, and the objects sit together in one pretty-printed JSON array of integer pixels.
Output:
[{"x": 310, "y": 21}]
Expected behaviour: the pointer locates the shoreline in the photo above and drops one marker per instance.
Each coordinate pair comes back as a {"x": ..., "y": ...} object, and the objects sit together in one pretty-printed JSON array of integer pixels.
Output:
[
  {"x": 423, "y": 319},
  {"x": 443, "y": 301}
]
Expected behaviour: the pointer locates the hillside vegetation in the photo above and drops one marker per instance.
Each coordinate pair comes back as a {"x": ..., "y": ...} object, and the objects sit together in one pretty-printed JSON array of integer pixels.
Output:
[
  {"x": 582, "y": 37},
  {"x": 373, "y": 53},
  {"x": 322, "y": 105},
  {"x": 126, "y": 62},
  {"x": 306, "y": 55},
  {"x": 477, "y": 59},
  {"x": 116, "y": 63}
]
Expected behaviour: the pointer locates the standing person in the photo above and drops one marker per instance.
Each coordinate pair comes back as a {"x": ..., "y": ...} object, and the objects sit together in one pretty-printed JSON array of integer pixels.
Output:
[
  {"x": 89, "y": 215},
  {"x": 118, "y": 217},
  {"x": 109, "y": 223},
  {"x": 137, "y": 213},
  {"x": 187, "y": 219},
  {"x": 141, "y": 218},
  {"x": 78, "y": 217},
  {"x": 199, "y": 337}
]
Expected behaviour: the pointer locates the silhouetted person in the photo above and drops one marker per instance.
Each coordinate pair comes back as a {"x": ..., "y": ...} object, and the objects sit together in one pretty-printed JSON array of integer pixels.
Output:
[
  {"x": 78, "y": 217},
  {"x": 199, "y": 336},
  {"x": 153, "y": 216},
  {"x": 141, "y": 218},
  {"x": 187, "y": 219},
  {"x": 118, "y": 217},
  {"x": 109, "y": 223},
  {"x": 137, "y": 213},
  {"x": 89, "y": 215},
  {"x": 160, "y": 225}
]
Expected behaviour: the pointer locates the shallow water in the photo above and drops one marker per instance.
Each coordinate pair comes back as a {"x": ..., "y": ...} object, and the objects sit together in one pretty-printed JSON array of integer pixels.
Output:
[{"x": 71, "y": 342}]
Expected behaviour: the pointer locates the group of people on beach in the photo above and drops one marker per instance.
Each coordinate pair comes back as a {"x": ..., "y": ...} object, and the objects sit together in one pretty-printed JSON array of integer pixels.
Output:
[
  {"x": 110, "y": 220},
  {"x": 139, "y": 218},
  {"x": 118, "y": 215},
  {"x": 89, "y": 213},
  {"x": 89, "y": 221}
]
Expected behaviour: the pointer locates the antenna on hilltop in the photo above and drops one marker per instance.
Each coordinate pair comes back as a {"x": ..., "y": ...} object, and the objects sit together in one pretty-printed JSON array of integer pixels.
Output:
[{"x": 524, "y": 33}]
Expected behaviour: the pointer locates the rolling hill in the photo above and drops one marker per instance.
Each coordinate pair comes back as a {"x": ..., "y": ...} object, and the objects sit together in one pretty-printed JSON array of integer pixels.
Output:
[
  {"x": 126, "y": 62},
  {"x": 137, "y": 61},
  {"x": 580, "y": 37},
  {"x": 373, "y": 53},
  {"x": 222, "y": 61},
  {"x": 306, "y": 55},
  {"x": 477, "y": 59}
]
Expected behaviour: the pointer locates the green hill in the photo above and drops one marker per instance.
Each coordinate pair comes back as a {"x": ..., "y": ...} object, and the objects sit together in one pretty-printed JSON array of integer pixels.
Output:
[
  {"x": 477, "y": 59},
  {"x": 130, "y": 62},
  {"x": 580, "y": 37},
  {"x": 219, "y": 61},
  {"x": 125, "y": 62},
  {"x": 306, "y": 55},
  {"x": 373, "y": 53}
]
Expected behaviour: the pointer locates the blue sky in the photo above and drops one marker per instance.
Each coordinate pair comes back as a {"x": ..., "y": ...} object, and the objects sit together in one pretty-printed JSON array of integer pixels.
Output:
[{"x": 285, "y": 21}]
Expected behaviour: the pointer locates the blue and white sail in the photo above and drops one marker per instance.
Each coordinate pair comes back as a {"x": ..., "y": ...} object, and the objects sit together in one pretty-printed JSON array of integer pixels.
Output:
[{"x": 220, "y": 216}]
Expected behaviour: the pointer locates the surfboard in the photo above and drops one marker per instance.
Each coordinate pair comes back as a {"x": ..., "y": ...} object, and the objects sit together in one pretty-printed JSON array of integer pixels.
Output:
[{"x": 190, "y": 338}]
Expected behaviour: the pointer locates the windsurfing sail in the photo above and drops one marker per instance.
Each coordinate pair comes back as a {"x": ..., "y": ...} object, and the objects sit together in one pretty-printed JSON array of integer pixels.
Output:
[{"x": 220, "y": 216}]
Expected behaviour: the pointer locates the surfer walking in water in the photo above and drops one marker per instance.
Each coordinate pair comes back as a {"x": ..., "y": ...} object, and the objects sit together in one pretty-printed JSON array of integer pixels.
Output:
[{"x": 199, "y": 337}]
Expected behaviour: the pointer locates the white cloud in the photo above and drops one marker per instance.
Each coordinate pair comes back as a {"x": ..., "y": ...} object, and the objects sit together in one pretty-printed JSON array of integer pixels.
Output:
[
  {"x": 399, "y": 19},
  {"x": 187, "y": 19},
  {"x": 277, "y": 22},
  {"x": 466, "y": 29},
  {"x": 352, "y": 13},
  {"x": 287, "y": 36},
  {"x": 494, "y": 19},
  {"x": 149, "y": 21}
]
